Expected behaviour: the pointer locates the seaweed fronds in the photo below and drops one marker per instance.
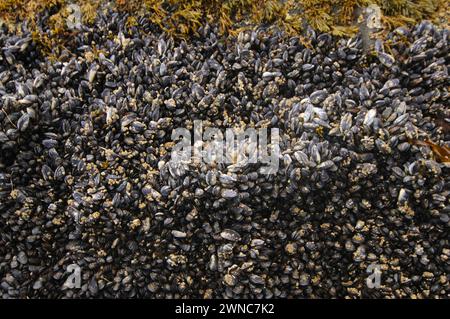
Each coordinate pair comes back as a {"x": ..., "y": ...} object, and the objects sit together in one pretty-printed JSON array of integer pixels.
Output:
[
  {"x": 89, "y": 9},
  {"x": 182, "y": 18},
  {"x": 13, "y": 11},
  {"x": 442, "y": 153},
  {"x": 266, "y": 11},
  {"x": 393, "y": 22},
  {"x": 156, "y": 11},
  {"x": 318, "y": 14},
  {"x": 131, "y": 6},
  {"x": 341, "y": 31},
  {"x": 292, "y": 23}
]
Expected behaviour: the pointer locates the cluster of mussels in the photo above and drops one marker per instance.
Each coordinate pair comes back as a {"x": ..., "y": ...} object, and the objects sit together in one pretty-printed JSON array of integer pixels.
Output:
[{"x": 86, "y": 177}]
